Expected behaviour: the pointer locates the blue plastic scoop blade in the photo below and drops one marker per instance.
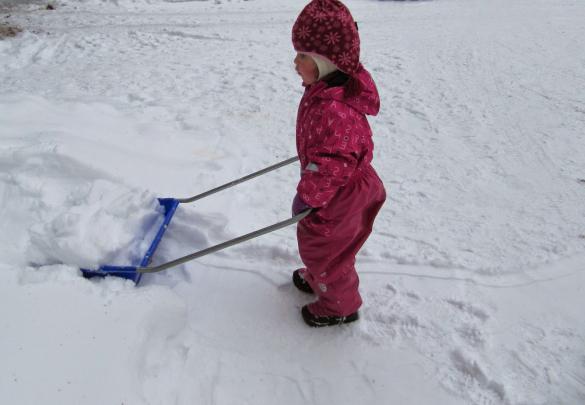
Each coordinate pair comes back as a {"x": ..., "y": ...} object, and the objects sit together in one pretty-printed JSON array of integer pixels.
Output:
[{"x": 170, "y": 206}]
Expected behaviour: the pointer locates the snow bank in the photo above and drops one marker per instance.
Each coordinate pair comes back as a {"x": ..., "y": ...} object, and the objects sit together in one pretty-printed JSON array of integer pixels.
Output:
[
  {"x": 60, "y": 208},
  {"x": 99, "y": 223}
]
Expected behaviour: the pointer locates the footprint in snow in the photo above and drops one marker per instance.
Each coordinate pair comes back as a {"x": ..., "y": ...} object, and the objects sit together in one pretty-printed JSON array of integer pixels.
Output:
[{"x": 469, "y": 309}]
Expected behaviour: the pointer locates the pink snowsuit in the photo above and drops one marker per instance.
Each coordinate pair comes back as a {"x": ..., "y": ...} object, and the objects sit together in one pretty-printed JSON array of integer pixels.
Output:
[{"x": 334, "y": 144}]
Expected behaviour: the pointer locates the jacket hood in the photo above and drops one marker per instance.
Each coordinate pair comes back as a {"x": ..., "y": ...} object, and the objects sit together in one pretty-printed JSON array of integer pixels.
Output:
[{"x": 366, "y": 102}]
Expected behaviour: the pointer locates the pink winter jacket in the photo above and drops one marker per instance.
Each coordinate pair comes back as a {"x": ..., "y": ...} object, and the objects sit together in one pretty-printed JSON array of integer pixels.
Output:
[{"x": 333, "y": 137}]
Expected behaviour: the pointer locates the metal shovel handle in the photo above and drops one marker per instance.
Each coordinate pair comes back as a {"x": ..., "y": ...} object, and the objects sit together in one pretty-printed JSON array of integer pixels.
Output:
[
  {"x": 221, "y": 246},
  {"x": 240, "y": 180}
]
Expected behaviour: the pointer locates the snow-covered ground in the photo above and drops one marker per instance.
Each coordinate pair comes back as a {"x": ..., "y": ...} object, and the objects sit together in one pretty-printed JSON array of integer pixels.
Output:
[{"x": 473, "y": 282}]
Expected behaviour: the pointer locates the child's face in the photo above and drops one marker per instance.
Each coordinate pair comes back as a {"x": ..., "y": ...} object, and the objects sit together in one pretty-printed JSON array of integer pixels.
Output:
[{"x": 306, "y": 68}]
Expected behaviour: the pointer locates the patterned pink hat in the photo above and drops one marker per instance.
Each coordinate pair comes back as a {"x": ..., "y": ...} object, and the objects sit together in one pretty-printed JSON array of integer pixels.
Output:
[{"x": 326, "y": 28}]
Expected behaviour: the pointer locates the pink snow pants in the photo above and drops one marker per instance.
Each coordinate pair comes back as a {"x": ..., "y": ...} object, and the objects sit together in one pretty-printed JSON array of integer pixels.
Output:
[{"x": 330, "y": 238}]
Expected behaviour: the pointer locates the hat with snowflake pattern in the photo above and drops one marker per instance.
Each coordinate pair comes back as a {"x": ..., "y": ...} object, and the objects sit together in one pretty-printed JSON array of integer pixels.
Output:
[{"x": 327, "y": 28}]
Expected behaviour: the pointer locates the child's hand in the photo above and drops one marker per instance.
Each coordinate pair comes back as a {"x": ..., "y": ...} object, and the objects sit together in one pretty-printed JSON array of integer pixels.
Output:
[{"x": 298, "y": 205}]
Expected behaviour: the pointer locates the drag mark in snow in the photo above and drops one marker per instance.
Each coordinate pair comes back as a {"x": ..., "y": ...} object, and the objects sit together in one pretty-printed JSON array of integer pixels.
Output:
[{"x": 161, "y": 354}]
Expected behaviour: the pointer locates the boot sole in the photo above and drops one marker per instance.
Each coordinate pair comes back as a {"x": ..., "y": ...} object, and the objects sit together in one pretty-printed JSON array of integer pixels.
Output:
[{"x": 320, "y": 321}]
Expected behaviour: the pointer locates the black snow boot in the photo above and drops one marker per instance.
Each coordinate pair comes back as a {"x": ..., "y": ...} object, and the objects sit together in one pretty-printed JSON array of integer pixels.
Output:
[
  {"x": 319, "y": 321},
  {"x": 300, "y": 283}
]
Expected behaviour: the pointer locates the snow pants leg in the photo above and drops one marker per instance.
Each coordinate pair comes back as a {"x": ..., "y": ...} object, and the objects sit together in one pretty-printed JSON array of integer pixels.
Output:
[{"x": 330, "y": 238}]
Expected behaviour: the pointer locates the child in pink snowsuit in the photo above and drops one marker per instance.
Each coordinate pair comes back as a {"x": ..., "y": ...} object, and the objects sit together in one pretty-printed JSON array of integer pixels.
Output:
[{"x": 334, "y": 144}]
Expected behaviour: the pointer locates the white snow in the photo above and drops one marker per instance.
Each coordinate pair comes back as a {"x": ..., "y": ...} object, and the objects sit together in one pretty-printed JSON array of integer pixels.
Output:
[{"x": 474, "y": 278}]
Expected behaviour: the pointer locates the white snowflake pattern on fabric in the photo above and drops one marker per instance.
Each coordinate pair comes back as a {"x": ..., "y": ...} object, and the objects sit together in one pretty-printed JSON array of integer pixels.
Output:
[{"x": 327, "y": 28}]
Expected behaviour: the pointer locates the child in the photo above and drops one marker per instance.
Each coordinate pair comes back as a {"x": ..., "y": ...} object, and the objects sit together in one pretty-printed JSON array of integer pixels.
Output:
[{"x": 334, "y": 144}]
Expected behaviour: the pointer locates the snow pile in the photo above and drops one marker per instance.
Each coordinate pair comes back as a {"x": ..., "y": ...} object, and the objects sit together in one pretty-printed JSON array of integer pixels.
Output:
[
  {"x": 95, "y": 224},
  {"x": 62, "y": 218},
  {"x": 64, "y": 207}
]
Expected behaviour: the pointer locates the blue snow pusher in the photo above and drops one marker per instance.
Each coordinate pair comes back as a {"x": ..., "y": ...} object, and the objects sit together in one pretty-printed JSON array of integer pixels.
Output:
[{"x": 170, "y": 206}]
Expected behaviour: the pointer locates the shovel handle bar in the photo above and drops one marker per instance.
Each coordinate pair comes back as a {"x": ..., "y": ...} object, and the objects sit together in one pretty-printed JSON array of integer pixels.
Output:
[
  {"x": 221, "y": 246},
  {"x": 238, "y": 181}
]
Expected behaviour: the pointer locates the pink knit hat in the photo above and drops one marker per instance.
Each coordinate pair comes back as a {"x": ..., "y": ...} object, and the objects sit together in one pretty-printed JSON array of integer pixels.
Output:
[{"x": 326, "y": 28}]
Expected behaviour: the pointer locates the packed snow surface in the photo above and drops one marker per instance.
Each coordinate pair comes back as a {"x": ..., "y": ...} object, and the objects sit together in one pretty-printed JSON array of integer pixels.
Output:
[{"x": 473, "y": 281}]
